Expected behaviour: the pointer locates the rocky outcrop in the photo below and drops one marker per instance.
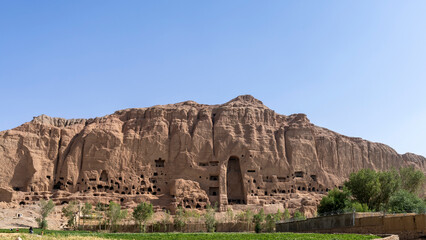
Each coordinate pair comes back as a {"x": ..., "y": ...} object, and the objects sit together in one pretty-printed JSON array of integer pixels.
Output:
[{"x": 240, "y": 152}]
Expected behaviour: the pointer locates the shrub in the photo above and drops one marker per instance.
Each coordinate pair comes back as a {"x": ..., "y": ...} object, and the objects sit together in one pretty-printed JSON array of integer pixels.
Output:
[
  {"x": 298, "y": 216},
  {"x": 335, "y": 201},
  {"x": 406, "y": 202},
  {"x": 209, "y": 219},
  {"x": 270, "y": 222},
  {"x": 229, "y": 214},
  {"x": 179, "y": 220},
  {"x": 258, "y": 219},
  {"x": 143, "y": 213},
  {"x": 286, "y": 215}
]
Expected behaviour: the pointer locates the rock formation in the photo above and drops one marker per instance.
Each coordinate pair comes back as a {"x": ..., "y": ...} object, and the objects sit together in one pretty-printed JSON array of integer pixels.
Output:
[{"x": 185, "y": 154}]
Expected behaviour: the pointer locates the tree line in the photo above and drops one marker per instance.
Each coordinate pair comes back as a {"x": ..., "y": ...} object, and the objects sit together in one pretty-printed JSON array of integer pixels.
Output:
[{"x": 388, "y": 191}]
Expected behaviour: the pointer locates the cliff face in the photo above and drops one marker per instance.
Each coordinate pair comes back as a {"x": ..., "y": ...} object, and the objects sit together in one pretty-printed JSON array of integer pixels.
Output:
[{"x": 188, "y": 154}]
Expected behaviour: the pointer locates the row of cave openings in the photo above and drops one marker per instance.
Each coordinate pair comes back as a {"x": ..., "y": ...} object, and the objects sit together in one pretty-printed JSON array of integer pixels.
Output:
[
  {"x": 235, "y": 186},
  {"x": 142, "y": 185}
]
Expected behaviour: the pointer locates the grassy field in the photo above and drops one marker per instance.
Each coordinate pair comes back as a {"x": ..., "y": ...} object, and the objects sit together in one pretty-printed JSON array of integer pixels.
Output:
[{"x": 80, "y": 235}]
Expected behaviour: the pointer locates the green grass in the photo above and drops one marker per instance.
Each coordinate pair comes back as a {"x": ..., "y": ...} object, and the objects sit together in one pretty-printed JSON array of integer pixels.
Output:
[{"x": 200, "y": 236}]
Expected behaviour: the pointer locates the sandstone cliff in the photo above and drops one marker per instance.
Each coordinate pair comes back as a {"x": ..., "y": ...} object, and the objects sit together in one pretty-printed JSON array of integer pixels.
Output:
[{"x": 240, "y": 152}]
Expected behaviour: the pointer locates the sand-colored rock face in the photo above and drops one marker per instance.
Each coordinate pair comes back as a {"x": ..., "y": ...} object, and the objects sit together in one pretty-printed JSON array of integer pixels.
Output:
[{"x": 188, "y": 154}]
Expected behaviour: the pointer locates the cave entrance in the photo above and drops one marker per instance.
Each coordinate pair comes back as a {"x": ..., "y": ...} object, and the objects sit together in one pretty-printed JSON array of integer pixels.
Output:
[{"x": 234, "y": 182}]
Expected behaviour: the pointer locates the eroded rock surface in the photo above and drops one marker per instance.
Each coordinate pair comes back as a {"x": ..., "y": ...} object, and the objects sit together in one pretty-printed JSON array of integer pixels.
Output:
[{"x": 240, "y": 152}]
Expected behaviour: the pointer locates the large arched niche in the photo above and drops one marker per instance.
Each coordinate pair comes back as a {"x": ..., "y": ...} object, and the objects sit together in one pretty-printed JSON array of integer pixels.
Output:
[{"x": 234, "y": 182}]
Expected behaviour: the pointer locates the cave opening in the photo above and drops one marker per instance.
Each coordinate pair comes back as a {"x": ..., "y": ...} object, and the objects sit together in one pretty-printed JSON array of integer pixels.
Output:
[{"x": 234, "y": 182}]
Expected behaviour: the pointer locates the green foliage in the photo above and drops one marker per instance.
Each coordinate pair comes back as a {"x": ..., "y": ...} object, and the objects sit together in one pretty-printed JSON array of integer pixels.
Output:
[
  {"x": 298, "y": 216},
  {"x": 258, "y": 220},
  {"x": 373, "y": 188},
  {"x": 100, "y": 207},
  {"x": 270, "y": 221},
  {"x": 278, "y": 216},
  {"x": 246, "y": 216},
  {"x": 335, "y": 201},
  {"x": 192, "y": 216},
  {"x": 209, "y": 219},
  {"x": 411, "y": 180},
  {"x": 229, "y": 214},
  {"x": 179, "y": 220},
  {"x": 143, "y": 213},
  {"x": 364, "y": 186},
  {"x": 86, "y": 209},
  {"x": 389, "y": 184},
  {"x": 115, "y": 214},
  {"x": 70, "y": 212},
  {"x": 359, "y": 207},
  {"x": 404, "y": 201},
  {"x": 46, "y": 207},
  {"x": 286, "y": 215}
]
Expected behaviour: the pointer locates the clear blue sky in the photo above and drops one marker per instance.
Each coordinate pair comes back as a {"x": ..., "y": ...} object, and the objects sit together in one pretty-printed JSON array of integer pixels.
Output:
[{"x": 356, "y": 67}]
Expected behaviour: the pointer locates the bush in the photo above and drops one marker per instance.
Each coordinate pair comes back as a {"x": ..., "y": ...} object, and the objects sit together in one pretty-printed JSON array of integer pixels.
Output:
[
  {"x": 286, "y": 215},
  {"x": 298, "y": 216},
  {"x": 406, "y": 202},
  {"x": 258, "y": 219},
  {"x": 179, "y": 220},
  {"x": 335, "y": 201},
  {"x": 229, "y": 214},
  {"x": 209, "y": 219},
  {"x": 270, "y": 222}
]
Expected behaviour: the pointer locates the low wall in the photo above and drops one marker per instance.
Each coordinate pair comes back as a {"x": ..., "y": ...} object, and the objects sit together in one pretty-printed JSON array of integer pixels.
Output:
[
  {"x": 189, "y": 227},
  {"x": 411, "y": 226}
]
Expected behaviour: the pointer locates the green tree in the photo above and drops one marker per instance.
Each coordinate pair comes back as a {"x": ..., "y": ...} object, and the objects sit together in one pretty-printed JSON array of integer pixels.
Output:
[
  {"x": 278, "y": 216},
  {"x": 335, "y": 201},
  {"x": 70, "y": 212},
  {"x": 142, "y": 214},
  {"x": 86, "y": 210},
  {"x": 270, "y": 222},
  {"x": 404, "y": 201},
  {"x": 389, "y": 184},
  {"x": 209, "y": 219},
  {"x": 412, "y": 180},
  {"x": 179, "y": 220},
  {"x": 298, "y": 216},
  {"x": 258, "y": 220},
  {"x": 46, "y": 207},
  {"x": 286, "y": 215},
  {"x": 115, "y": 214},
  {"x": 364, "y": 186}
]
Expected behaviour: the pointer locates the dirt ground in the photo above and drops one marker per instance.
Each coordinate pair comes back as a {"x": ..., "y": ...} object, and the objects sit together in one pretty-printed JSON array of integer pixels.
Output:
[{"x": 28, "y": 213}]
